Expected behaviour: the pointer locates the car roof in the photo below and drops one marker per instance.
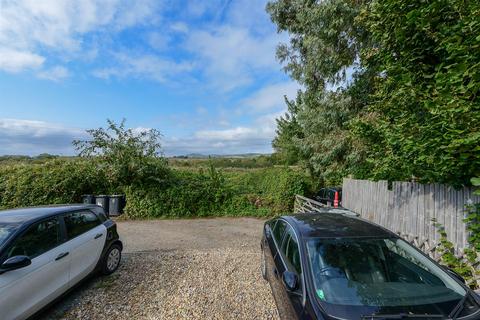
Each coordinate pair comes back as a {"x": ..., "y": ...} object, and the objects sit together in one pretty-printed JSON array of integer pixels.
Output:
[
  {"x": 22, "y": 215},
  {"x": 335, "y": 223}
]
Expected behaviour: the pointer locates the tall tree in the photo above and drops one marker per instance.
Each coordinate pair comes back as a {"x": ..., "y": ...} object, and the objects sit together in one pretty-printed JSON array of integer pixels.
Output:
[
  {"x": 390, "y": 88},
  {"x": 130, "y": 156},
  {"x": 322, "y": 55}
]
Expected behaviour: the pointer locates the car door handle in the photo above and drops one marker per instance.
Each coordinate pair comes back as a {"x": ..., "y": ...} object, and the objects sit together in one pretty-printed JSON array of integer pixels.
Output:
[
  {"x": 61, "y": 256},
  {"x": 98, "y": 236}
]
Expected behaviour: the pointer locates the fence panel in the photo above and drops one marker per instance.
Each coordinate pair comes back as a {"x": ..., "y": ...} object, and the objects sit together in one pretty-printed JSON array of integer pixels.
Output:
[{"x": 411, "y": 208}]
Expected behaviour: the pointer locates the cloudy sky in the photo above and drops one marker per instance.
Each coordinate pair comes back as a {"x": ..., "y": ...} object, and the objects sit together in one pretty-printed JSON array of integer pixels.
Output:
[{"x": 202, "y": 72}]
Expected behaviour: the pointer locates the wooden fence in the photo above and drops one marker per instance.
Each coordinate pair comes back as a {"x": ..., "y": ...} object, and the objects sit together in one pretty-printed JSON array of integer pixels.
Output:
[{"x": 408, "y": 209}]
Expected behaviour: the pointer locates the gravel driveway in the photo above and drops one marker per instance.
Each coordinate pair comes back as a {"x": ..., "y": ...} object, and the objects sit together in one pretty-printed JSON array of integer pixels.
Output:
[{"x": 179, "y": 269}]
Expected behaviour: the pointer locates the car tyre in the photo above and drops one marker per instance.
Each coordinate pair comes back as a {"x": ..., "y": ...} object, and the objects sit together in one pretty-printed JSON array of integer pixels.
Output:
[
  {"x": 264, "y": 265},
  {"x": 111, "y": 260}
]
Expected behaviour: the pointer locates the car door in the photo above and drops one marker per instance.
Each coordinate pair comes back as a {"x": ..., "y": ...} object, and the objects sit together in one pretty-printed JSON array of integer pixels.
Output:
[
  {"x": 269, "y": 250},
  {"x": 275, "y": 264},
  {"x": 292, "y": 301},
  {"x": 86, "y": 236},
  {"x": 26, "y": 290}
]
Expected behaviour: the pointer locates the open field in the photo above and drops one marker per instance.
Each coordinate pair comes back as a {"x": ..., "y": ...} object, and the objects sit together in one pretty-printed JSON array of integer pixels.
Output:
[{"x": 179, "y": 269}]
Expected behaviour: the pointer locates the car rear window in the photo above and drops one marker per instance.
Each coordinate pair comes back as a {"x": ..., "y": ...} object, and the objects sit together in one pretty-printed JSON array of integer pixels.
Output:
[
  {"x": 291, "y": 252},
  {"x": 80, "y": 222},
  {"x": 278, "y": 231}
]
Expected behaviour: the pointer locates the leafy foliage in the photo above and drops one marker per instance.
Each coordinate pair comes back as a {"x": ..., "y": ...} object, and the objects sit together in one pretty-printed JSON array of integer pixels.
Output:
[
  {"x": 130, "y": 156},
  {"x": 424, "y": 119},
  {"x": 262, "y": 161},
  {"x": 189, "y": 193},
  {"x": 170, "y": 193},
  {"x": 52, "y": 182},
  {"x": 467, "y": 267},
  {"x": 325, "y": 45},
  {"x": 390, "y": 88}
]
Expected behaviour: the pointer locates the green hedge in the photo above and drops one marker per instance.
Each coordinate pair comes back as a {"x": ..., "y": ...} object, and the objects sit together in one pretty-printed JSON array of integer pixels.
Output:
[
  {"x": 174, "y": 193},
  {"x": 52, "y": 182},
  {"x": 262, "y": 192}
]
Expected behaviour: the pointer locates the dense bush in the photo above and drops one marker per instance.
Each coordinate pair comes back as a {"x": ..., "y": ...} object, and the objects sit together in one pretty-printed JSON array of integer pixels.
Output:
[
  {"x": 130, "y": 156},
  {"x": 166, "y": 192},
  {"x": 190, "y": 193},
  {"x": 52, "y": 182}
]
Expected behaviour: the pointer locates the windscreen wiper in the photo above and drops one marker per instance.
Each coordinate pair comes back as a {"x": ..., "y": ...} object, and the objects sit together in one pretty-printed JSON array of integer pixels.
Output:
[
  {"x": 459, "y": 307},
  {"x": 402, "y": 316}
]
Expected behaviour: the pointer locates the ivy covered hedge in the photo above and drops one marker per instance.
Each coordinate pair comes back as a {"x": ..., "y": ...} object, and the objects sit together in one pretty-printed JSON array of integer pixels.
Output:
[
  {"x": 262, "y": 192},
  {"x": 164, "y": 192},
  {"x": 51, "y": 182}
]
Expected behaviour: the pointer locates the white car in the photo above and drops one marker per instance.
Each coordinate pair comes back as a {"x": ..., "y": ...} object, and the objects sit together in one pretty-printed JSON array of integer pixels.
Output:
[{"x": 45, "y": 251}]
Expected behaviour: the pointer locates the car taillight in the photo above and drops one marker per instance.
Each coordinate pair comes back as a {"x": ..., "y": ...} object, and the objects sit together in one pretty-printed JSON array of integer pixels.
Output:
[{"x": 335, "y": 200}]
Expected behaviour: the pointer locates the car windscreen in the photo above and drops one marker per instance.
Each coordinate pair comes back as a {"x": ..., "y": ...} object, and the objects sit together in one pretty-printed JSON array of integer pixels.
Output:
[
  {"x": 357, "y": 276},
  {"x": 6, "y": 230}
]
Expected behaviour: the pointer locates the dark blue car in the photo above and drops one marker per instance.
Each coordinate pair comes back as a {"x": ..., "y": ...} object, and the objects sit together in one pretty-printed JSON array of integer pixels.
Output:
[{"x": 334, "y": 265}]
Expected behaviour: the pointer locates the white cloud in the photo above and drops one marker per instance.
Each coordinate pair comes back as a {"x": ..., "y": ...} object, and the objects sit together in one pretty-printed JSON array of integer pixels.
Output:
[
  {"x": 55, "y": 74},
  {"x": 240, "y": 139},
  {"x": 230, "y": 48},
  {"x": 158, "y": 40},
  {"x": 146, "y": 65},
  {"x": 31, "y": 137},
  {"x": 16, "y": 61},
  {"x": 32, "y": 27},
  {"x": 232, "y": 56},
  {"x": 179, "y": 27},
  {"x": 233, "y": 134},
  {"x": 250, "y": 14},
  {"x": 199, "y": 8},
  {"x": 270, "y": 97},
  {"x": 18, "y": 136}
]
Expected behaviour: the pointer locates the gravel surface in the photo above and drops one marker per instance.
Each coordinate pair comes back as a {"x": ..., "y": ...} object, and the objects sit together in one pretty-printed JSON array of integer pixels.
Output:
[{"x": 206, "y": 276}]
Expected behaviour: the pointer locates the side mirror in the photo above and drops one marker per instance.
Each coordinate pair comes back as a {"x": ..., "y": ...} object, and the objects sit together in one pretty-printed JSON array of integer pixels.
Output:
[
  {"x": 290, "y": 280},
  {"x": 456, "y": 275},
  {"x": 14, "y": 263}
]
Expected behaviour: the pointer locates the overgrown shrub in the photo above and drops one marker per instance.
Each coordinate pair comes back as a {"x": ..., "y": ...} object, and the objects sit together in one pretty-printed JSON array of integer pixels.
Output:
[
  {"x": 52, "y": 182},
  {"x": 214, "y": 193},
  {"x": 129, "y": 156},
  {"x": 163, "y": 193}
]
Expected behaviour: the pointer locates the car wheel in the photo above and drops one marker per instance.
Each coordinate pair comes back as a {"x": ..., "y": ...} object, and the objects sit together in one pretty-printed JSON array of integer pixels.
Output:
[
  {"x": 111, "y": 260},
  {"x": 264, "y": 265}
]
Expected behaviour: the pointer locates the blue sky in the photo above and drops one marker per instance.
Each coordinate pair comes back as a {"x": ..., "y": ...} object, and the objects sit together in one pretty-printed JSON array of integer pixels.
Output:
[{"x": 204, "y": 73}]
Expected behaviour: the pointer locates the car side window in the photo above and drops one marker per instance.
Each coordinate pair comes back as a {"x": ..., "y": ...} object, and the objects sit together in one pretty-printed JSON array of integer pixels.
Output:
[
  {"x": 39, "y": 238},
  {"x": 278, "y": 231},
  {"x": 77, "y": 223},
  {"x": 291, "y": 252}
]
